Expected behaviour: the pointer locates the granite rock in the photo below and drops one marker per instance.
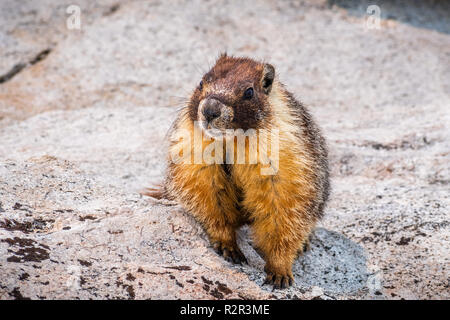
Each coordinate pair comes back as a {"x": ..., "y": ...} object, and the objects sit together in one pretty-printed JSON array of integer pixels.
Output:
[{"x": 82, "y": 130}]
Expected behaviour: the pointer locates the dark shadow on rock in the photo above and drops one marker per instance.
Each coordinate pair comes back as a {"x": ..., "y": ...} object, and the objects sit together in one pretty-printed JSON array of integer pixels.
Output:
[
  {"x": 428, "y": 14},
  {"x": 334, "y": 263}
]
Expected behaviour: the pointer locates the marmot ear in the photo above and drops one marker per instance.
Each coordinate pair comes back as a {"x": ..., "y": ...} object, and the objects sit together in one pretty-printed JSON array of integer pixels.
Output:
[
  {"x": 268, "y": 76},
  {"x": 222, "y": 55}
]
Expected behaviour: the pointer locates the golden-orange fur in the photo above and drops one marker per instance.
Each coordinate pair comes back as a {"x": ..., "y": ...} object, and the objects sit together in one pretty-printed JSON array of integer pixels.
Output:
[{"x": 281, "y": 209}]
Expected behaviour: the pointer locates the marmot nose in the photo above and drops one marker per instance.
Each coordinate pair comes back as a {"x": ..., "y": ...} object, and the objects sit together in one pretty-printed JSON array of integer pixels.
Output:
[{"x": 211, "y": 110}]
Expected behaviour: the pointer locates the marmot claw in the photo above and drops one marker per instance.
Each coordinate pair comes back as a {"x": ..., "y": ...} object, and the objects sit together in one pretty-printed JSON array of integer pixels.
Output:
[{"x": 230, "y": 253}]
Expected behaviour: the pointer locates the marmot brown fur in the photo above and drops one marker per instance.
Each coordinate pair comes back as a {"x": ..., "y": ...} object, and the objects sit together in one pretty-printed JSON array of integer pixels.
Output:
[{"x": 281, "y": 208}]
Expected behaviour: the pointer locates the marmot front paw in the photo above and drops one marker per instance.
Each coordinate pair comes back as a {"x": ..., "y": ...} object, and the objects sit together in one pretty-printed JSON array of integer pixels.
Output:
[
  {"x": 279, "y": 279},
  {"x": 230, "y": 252}
]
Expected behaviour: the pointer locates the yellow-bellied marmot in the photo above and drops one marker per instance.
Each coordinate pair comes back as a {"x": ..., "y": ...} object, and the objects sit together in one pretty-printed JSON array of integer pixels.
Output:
[{"x": 281, "y": 208}]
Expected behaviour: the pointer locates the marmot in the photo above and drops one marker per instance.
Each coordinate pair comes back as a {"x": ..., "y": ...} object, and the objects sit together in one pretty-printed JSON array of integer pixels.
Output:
[{"x": 281, "y": 208}]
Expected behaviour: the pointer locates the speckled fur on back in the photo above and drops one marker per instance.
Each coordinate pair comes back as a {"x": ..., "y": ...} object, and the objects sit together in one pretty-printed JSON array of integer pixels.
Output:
[{"x": 311, "y": 132}]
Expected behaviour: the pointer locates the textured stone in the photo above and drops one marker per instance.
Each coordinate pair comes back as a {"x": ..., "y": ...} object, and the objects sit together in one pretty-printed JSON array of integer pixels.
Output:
[{"x": 82, "y": 131}]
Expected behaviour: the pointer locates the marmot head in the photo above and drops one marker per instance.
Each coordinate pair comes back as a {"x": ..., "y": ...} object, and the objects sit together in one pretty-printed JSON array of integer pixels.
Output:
[{"x": 233, "y": 95}]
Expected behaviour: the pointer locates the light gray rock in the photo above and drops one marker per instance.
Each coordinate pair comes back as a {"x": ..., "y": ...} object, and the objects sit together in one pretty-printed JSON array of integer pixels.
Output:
[{"x": 82, "y": 131}]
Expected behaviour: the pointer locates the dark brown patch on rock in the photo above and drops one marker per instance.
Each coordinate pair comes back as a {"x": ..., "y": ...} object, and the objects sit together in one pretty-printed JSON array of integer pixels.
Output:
[
  {"x": 88, "y": 217},
  {"x": 180, "y": 268},
  {"x": 223, "y": 288},
  {"x": 115, "y": 232},
  {"x": 29, "y": 254},
  {"x": 216, "y": 294},
  {"x": 128, "y": 288},
  {"x": 14, "y": 225},
  {"x": 179, "y": 284},
  {"x": 26, "y": 226},
  {"x": 206, "y": 280},
  {"x": 21, "y": 242},
  {"x": 404, "y": 241},
  {"x": 17, "y": 295},
  {"x": 112, "y": 9},
  {"x": 85, "y": 263},
  {"x": 24, "y": 276},
  {"x": 28, "y": 250}
]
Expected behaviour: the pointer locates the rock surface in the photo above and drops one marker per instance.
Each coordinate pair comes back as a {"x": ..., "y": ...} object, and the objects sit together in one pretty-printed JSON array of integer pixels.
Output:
[{"x": 82, "y": 125}]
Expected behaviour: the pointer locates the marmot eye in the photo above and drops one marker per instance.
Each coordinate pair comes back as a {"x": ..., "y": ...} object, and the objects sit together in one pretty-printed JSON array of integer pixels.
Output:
[
  {"x": 248, "y": 94},
  {"x": 200, "y": 85}
]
